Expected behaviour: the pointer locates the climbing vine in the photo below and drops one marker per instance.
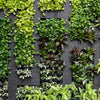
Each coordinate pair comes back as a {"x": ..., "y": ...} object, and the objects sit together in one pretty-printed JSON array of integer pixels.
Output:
[
  {"x": 23, "y": 35},
  {"x": 85, "y": 14},
  {"x": 6, "y": 29},
  {"x": 53, "y": 5},
  {"x": 82, "y": 67},
  {"x": 52, "y": 40}
]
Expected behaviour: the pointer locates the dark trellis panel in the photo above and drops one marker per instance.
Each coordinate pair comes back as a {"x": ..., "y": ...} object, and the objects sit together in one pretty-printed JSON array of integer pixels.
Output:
[{"x": 14, "y": 81}]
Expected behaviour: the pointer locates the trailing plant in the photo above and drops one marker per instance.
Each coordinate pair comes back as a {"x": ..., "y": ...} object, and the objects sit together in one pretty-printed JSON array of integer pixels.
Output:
[
  {"x": 23, "y": 35},
  {"x": 6, "y": 29},
  {"x": 82, "y": 67},
  {"x": 53, "y": 5},
  {"x": 81, "y": 25},
  {"x": 52, "y": 40}
]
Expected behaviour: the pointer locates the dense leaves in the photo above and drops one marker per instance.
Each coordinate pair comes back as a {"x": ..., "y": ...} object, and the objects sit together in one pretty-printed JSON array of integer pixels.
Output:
[
  {"x": 88, "y": 93},
  {"x": 24, "y": 52},
  {"x": 23, "y": 35},
  {"x": 52, "y": 35},
  {"x": 84, "y": 14},
  {"x": 82, "y": 67},
  {"x": 54, "y": 93},
  {"x": 52, "y": 40},
  {"x": 4, "y": 90},
  {"x": 52, "y": 5},
  {"x": 68, "y": 92},
  {"x": 6, "y": 29}
]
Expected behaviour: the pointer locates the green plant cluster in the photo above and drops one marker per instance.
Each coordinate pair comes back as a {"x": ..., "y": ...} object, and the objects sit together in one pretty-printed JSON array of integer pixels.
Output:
[
  {"x": 82, "y": 20},
  {"x": 68, "y": 92},
  {"x": 82, "y": 67},
  {"x": 88, "y": 93},
  {"x": 53, "y": 5},
  {"x": 24, "y": 52},
  {"x": 23, "y": 35},
  {"x": 52, "y": 40},
  {"x": 6, "y": 29},
  {"x": 54, "y": 93},
  {"x": 4, "y": 90}
]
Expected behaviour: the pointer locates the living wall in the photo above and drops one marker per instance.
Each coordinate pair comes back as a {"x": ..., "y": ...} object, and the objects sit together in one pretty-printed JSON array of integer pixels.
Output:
[{"x": 52, "y": 33}]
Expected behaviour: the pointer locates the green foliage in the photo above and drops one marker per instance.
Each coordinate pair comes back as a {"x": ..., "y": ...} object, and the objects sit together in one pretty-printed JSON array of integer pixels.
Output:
[
  {"x": 98, "y": 22},
  {"x": 4, "y": 90},
  {"x": 54, "y": 93},
  {"x": 6, "y": 29},
  {"x": 88, "y": 93},
  {"x": 68, "y": 92},
  {"x": 52, "y": 35},
  {"x": 23, "y": 35},
  {"x": 52, "y": 40},
  {"x": 81, "y": 25},
  {"x": 98, "y": 66},
  {"x": 52, "y": 5},
  {"x": 82, "y": 67},
  {"x": 24, "y": 73},
  {"x": 24, "y": 52}
]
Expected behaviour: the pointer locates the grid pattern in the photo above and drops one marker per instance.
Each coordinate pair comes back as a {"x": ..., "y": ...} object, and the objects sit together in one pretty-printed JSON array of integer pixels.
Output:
[{"x": 14, "y": 81}]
